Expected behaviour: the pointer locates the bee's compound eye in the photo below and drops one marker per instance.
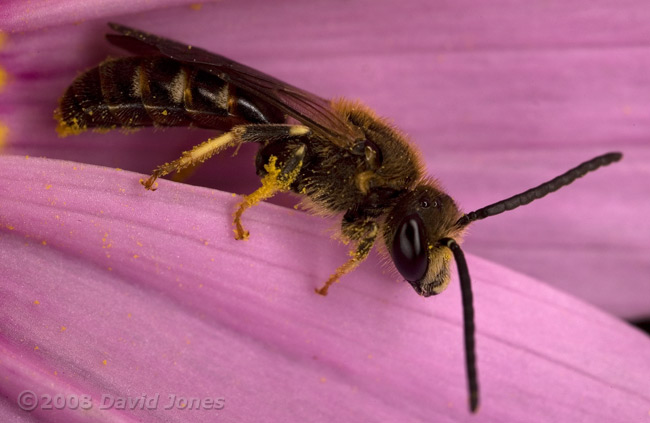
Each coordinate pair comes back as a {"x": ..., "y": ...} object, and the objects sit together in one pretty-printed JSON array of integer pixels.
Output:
[{"x": 409, "y": 250}]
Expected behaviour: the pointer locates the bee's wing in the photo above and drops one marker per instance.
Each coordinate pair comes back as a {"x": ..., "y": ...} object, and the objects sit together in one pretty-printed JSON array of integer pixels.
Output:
[{"x": 309, "y": 109}]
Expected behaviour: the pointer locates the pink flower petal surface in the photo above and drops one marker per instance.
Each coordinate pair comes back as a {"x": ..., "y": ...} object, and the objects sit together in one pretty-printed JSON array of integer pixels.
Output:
[
  {"x": 108, "y": 289},
  {"x": 498, "y": 96},
  {"x": 16, "y": 15}
]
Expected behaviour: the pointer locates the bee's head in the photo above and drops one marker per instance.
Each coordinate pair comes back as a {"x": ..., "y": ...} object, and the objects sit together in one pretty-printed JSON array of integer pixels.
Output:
[
  {"x": 421, "y": 234},
  {"x": 415, "y": 234}
]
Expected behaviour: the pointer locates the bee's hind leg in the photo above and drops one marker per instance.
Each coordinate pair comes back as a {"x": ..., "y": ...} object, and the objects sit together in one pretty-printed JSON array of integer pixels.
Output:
[
  {"x": 278, "y": 177},
  {"x": 196, "y": 155},
  {"x": 238, "y": 135}
]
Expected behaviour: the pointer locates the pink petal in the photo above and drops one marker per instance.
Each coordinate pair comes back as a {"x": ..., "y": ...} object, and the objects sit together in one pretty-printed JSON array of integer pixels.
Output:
[
  {"x": 128, "y": 293},
  {"x": 499, "y": 97},
  {"x": 17, "y": 15}
]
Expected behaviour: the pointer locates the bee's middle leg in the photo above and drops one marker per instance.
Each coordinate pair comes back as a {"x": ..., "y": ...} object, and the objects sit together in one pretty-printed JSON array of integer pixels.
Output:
[{"x": 279, "y": 173}]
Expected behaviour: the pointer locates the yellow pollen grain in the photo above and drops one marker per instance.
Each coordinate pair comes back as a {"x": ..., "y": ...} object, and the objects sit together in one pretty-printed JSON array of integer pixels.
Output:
[
  {"x": 64, "y": 129},
  {"x": 36, "y": 302},
  {"x": 135, "y": 256},
  {"x": 44, "y": 242},
  {"x": 164, "y": 113},
  {"x": 36, "y": 347},
  {"x": 104, "y": 362},
  {"x": 63, "y": 328},
  {"x": 128, "y": 316},
  {"x": 56, "y": 373},
  {"x": 196, "y": 6}
]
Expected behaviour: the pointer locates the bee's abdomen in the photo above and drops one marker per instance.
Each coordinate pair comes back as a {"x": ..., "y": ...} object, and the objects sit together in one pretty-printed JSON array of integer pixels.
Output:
[{"x": 145, "y": 91}]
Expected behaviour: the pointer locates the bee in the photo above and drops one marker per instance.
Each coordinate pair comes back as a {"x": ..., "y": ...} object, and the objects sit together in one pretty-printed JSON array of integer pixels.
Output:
[{"x": 337, "y": 154}]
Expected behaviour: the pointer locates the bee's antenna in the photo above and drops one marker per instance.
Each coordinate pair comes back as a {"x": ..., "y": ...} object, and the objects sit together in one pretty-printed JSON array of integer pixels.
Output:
[
  {"x": 468, "y": 321},
  {"x": 540, "y": 191}
]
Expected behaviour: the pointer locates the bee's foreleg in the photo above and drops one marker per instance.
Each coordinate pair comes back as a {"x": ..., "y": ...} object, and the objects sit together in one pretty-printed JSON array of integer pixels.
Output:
[
  {"x": 278, "y": 177},
  {"x": 365, "y": 232},
  {"x": 238, "y": 135}
]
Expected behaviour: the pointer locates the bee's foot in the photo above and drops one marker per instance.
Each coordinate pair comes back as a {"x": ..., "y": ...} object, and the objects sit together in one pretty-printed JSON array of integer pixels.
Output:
[
  {"x": 241, "y": 233},
  {"x": 322, "y": 291},
  {"x": 150, "y": 184}
]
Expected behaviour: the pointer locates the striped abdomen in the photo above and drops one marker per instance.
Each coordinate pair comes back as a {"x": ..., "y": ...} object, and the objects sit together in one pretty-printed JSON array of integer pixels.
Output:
[{"x": 145, "y": 91}]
